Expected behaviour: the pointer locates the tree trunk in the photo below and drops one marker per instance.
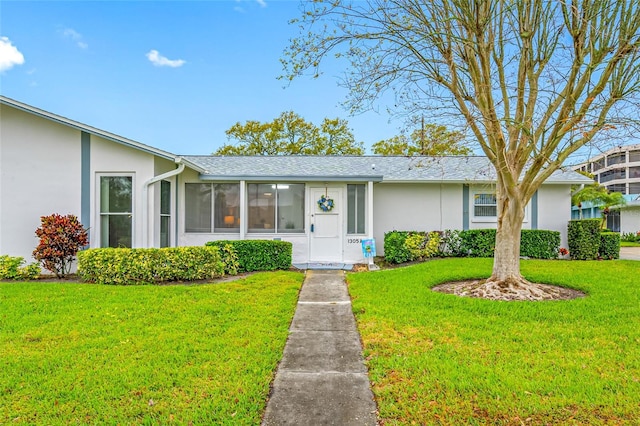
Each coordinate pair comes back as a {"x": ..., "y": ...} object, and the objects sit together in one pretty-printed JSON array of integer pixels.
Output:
[
  {"x": 506, "y": 262},
  {"x": 506, "y": 282}
]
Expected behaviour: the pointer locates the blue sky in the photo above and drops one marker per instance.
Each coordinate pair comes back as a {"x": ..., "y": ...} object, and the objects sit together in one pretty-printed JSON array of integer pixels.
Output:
[{"x": 174, "y": 75}]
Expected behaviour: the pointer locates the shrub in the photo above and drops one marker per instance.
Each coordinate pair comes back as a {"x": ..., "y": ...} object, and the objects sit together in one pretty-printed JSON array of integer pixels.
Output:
[
  {"x": 631, "y": 237},
  {"x": 609, "y": 245},
  {"x": 11, "y": 268},
  {"x": 421, "y": 245},
  {"x": 584, "y": 238},
  {"x": 259, "y": 255},
  {"x": 395, "y": 251},
  {"x": 451, "y": 243},
  {"x": 478, "y": 242},
  {"x": 402, "y": 246},
  {"x": 151, "y": 265},
  {"x": 61, "y": 237},
  {"x": 539, "y": 244}
]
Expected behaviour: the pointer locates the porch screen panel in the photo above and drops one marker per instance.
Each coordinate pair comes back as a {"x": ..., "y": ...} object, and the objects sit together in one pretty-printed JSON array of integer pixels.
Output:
[
  {"x": 226, "y": 216},
  {"x": 290, "y": 207},
  {"x": 355, "y": 209},
  {"x": 261, "y": 207},
  {"x": 116, "y": 211},
  {"x": 197, "y": 200}
]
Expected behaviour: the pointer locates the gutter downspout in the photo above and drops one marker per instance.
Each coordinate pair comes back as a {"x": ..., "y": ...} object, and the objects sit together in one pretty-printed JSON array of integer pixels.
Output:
[{"x": 145, "y": 198}]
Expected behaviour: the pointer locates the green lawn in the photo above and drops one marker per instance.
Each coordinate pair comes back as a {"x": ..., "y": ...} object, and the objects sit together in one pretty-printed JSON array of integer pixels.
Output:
[
  {"x": 440, "y": 359},
  {"x": 629, "y": 244},
  {"x": 91, "y": 354}
]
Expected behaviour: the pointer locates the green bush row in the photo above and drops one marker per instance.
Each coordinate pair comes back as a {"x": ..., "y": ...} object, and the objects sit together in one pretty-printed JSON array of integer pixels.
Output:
[
  {"x": 259, "y": 255},
  {"x": 126, "y": 266},
  {"x": 534, "y": 243},
  {"x": 404, "y": 246},
  {"x": 588, "y": 242},
  {"x": 14, "y": 268},
  {"x": 631, "y": 237}
]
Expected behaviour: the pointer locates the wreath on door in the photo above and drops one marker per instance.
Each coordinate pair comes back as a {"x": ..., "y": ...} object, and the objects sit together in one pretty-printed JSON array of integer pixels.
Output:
[{"x": 325, "y": 203}]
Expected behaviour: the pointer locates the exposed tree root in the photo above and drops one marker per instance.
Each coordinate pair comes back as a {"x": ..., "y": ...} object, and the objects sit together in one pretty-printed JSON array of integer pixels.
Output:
[{"x": 508, "y": 290}]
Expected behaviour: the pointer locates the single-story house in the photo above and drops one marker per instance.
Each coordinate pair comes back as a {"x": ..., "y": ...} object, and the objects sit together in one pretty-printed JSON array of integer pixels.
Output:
[{"x": 133, "y": 195}]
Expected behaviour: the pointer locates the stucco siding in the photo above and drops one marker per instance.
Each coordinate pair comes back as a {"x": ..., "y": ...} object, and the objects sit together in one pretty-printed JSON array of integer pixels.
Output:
[
  {"x": 554, "y": 209},
  {"x": 630, "y": 220},
  {"x": 39, "y": 175},
  {"x": 415, "y": 207}
]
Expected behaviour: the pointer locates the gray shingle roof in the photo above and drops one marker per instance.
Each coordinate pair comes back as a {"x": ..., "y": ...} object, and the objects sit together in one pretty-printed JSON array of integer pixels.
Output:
[{"x": 358, "y": 168}]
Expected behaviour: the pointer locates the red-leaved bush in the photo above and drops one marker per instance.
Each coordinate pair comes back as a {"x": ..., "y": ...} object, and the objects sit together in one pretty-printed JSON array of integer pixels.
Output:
[{"x": 60, "y": 239}]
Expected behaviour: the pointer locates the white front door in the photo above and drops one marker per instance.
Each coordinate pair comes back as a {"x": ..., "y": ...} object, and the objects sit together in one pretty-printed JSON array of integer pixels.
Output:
[{"x": 326, "y": 226}]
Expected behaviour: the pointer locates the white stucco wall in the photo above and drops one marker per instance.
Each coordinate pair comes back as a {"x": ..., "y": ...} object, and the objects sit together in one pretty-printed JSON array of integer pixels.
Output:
[
  {"x": 415, "y": 207},
  {"x": 630, "y": 220},
  {"x": 39, "y": 175},
  {"x": 554, "y": 209}
]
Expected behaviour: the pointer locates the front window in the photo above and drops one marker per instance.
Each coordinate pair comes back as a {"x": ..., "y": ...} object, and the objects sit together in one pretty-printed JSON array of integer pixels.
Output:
[
  {"x": 165, "y": 213},
  {"x": 485, "y": 205},
  {"x": 275, "y": 207},
  {"x": 227, "y": 207},
  {"x": 355, "y": 209},
  {"x": 116, "y": 211},
  {"x": 209, "y": 204}
]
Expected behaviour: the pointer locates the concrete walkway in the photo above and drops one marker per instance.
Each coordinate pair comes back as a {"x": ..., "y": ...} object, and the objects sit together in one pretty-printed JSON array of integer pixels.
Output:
[
  {"x": 322, "y": 379},
  {"x": 630, "y": 253}
]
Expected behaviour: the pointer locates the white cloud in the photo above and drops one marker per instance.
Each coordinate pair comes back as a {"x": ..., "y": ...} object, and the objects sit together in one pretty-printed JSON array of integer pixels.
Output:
[
  {"x": 161, "y": 61},
  {"x": 9, "y": 55},
  {"x": 72, "y": 34},
  {"x": 262, "y": 3}
]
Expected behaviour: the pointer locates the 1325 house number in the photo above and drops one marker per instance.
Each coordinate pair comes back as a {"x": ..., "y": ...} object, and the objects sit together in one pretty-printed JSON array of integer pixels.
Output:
[{"x": 354, "y": 240}]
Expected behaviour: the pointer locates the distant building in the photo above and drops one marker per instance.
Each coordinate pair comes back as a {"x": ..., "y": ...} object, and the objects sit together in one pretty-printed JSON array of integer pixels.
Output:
[{"x": 617, "y": 169}]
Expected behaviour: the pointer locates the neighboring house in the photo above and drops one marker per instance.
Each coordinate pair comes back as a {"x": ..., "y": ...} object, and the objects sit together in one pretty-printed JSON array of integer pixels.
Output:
[{"x": 132, "y": 195}]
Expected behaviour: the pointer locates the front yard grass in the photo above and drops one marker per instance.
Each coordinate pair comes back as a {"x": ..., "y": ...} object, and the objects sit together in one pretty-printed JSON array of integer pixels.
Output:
[
  {"x": 629, "y": 244},
  {"x": 437, "y": 358},
  {"x": 92, "y": 354}
]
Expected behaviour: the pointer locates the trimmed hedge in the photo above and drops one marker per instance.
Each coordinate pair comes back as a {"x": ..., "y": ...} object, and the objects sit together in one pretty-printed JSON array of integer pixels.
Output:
[
  {"x": 584, "y": 238},
  {"x": 13, "y": 268},
  {"x": 152, "y": 265},
  {"x": 534, "y": 243},
  {"x": 259, "y": 255},
  {"x": 539, "y": 243},
  {"x": 395, "y": 251},
  {"x": 478, "y": 242},
  {"x": 609, "y": 245}
]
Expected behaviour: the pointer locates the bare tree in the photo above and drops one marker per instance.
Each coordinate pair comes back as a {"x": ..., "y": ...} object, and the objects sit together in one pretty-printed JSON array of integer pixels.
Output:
[{"x": 534, "y": 81}]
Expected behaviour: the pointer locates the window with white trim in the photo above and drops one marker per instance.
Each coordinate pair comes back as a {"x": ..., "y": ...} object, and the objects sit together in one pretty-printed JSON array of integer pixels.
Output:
[
  {"x": 165, "y": 213},
  {"x": 116, "y": 211},
  {"x": 355, "y": 209},
  {"x": 485, "y": 205}
]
